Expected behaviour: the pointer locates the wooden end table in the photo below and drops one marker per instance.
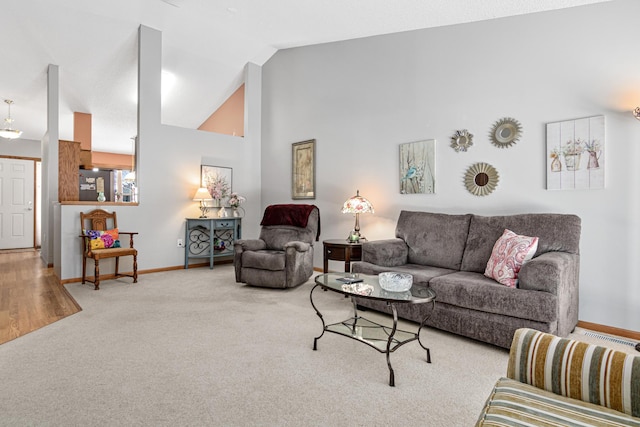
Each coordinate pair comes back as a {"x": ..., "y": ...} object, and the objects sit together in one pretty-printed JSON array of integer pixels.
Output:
[{"x": 341, "y": 250}]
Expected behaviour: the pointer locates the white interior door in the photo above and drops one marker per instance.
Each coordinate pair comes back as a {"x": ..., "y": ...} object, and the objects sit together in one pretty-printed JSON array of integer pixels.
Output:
[{"x": 16, "y": 203}]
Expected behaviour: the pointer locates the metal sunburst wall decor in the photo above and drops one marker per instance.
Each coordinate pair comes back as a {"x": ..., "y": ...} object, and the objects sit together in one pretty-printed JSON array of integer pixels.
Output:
[
  {"x": 481, "y": 179},
  {"x": 505, "y": 132},
  {"x": 461, "y": 140}
]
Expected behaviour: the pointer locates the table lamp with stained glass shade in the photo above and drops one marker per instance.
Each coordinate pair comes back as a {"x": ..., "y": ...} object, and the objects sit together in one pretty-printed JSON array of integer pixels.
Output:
[
  {"x": 202, "y": 196},
  {"x": 357, "y": 205}
]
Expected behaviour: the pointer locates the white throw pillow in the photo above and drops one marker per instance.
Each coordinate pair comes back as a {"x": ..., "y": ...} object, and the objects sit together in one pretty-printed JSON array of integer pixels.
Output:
[{"x": 509, "y": 254}]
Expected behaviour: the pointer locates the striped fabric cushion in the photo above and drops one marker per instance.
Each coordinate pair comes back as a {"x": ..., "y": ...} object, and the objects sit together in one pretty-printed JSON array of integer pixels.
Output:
[
  {"x": 513, "y": 403},
  {"x": 577, "y": 370}
]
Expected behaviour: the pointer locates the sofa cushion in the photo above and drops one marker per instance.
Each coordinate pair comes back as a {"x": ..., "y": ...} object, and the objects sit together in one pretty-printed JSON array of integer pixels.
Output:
[
  {"x": 435, "y": 239},
  {"x": 264, "y": 260},
  {"x": 420, "y": 273},
  {"x": 387, "y": 252},
  {"x": 509, "y": 253},
  {"x": 477, "y": 292},
  {"x": 555, "y": 232},
  {"x": 512, "y": 403}
]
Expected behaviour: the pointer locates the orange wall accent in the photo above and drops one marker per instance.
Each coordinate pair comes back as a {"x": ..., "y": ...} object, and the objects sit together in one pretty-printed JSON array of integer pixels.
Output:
[
  {"x": 122, "y": 161},
  {"x": 229, "y": 118},
  {"x": 82, "y": 130}
]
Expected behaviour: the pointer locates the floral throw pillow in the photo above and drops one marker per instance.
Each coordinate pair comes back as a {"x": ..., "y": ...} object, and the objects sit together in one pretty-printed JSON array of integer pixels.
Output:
[
  {"x": 509, "y": 254},
  {"x": 103, "y": 239}
]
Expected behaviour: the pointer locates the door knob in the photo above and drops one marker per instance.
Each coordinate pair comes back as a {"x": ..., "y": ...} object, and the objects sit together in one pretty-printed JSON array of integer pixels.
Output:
[{"x": 30, "y": 208}]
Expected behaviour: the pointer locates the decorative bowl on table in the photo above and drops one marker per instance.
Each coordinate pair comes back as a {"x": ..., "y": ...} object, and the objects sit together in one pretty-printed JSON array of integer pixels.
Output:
[{"x": 395, "y": 282}]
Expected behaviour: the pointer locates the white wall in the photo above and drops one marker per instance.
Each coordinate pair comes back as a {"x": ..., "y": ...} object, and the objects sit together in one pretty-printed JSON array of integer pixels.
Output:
[
  {"x": 168, "y": 173},
  {"x": 360, "y": 99},
  {"x": 20, "y": 148}
]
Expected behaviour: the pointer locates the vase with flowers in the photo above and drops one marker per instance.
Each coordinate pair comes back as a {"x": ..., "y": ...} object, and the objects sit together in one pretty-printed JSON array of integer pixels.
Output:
[
  {"x": 235, "y": 200},
  {"x": 556, "y": 165},
  {"x": 572, "y": 150},
  {"x": 594, "y": 149}
]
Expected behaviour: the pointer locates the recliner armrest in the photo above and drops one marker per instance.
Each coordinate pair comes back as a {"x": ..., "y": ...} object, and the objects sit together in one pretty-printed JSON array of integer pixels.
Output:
[
  {"x": 298, "y": 246},
  {"x": 387, "y": 253},
  {"x": 249, "y": 245}
]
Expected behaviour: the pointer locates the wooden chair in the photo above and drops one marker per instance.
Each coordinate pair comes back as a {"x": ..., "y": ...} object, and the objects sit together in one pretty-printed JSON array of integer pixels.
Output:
[{"x": 101, "y": 220}]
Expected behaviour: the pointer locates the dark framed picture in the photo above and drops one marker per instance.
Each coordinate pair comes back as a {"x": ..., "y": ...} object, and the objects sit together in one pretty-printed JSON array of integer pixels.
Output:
[
  {"x": 303, "y": 170},
  {"x": 218, "y": 180}
]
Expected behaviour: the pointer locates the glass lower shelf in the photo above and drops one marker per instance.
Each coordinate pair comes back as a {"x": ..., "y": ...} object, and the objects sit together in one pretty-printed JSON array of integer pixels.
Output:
[{"x": 371, "y": 333}]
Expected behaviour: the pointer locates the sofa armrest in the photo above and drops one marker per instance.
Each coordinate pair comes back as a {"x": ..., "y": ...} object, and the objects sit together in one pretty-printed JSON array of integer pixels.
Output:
[
  {"x": 576, "y": 370},
  {"x": 387, "y": 253},
  {"x": 558, "y": 274},
  {"x": 553, "y": 272}
]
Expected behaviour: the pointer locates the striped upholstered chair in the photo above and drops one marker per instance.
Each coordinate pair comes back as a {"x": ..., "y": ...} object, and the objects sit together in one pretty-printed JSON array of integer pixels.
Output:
[{"x": 556, "y": 381}]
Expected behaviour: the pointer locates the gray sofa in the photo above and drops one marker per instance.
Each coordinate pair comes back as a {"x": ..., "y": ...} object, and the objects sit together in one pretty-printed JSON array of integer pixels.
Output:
[{"x": 450, "y": 252}]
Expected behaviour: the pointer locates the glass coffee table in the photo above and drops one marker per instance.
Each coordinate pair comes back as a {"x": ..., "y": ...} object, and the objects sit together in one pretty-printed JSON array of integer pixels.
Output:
[{"x": 386, "y": 339}]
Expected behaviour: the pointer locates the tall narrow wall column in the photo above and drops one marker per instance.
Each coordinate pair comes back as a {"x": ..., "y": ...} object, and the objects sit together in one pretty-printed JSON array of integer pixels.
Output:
[{"x": 50, "y": 165}]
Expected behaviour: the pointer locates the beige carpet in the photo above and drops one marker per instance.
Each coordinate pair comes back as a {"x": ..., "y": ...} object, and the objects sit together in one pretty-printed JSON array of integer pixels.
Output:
[{"x": 192, "y": 347}]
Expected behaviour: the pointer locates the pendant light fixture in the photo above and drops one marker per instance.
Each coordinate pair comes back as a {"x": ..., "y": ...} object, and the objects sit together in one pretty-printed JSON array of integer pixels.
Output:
[{"x": 8, "y": 132}]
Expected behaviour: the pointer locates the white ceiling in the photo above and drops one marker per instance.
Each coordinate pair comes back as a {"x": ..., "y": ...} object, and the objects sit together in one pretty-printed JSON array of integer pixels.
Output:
[{"x": 206, "y": 44}]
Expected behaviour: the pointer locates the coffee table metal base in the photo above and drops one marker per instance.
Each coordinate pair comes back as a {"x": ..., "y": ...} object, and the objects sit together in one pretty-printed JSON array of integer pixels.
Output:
[{"x": 383, "y": 338}]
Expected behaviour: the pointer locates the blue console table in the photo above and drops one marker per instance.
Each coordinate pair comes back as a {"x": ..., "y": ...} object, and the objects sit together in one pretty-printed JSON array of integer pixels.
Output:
[{"x": 210, "y": 238}]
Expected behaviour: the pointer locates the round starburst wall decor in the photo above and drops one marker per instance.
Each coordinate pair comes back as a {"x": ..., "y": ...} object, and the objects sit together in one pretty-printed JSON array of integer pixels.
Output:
[
  {"x": 461, "y": 140},
  {"x": 505, "y": 132},
  {"x": 481, "y": 179}
]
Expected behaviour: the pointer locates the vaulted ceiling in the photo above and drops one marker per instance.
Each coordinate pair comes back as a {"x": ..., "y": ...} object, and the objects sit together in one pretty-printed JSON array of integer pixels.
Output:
[{"x": 206, "y": 44}]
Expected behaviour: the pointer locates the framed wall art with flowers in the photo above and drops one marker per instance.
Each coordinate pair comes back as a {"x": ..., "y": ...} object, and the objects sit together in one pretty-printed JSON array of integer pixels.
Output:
[
  {"x": 575, "y": 154},
  {"x": 217, "y": 180}
]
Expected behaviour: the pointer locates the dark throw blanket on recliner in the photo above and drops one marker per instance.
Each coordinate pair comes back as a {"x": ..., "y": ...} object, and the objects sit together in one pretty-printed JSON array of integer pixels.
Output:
[{"x": 289, "y": 214}]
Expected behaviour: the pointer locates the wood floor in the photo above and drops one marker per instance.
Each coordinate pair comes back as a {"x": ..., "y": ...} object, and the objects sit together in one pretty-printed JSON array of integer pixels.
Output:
[{"x": 30, "y": 295}]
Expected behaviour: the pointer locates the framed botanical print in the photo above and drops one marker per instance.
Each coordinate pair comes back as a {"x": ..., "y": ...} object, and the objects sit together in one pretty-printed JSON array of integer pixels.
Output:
[
  {"x": 303, "y": 170},
  {"x": 217, "y": 179}
]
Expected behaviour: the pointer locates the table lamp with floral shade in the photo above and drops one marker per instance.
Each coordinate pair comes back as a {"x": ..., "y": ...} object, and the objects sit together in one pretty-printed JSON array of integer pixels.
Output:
[{"x": 357, "y": 205}]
